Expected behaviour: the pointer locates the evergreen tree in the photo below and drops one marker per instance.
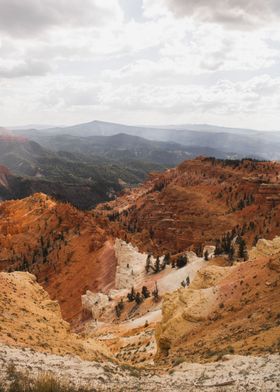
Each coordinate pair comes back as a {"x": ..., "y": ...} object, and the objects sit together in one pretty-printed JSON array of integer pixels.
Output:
[
  {"x": 117, "y": 311},
  {"x": 257, "y": 237},
  {"x": 167, "y": 259},
  {"x": 199, "y": 250},
  {"x": 157, "y": 265},
  {"x": 131, "y": 295},
  {"x": 163, "y": 265},
  {"x": 231, "y": 255},
  {"x": 243, "y": 252},
  {"x": 218, "y": 248},
  {"x": 181, "y": 261},
  {"x": 145, "y": 292},
  {"x": 148, "y": 263},
  {"x": 138, "y": 298},
  {"x": 121, "y": 305},
  {"x": 155, "y": 293}
]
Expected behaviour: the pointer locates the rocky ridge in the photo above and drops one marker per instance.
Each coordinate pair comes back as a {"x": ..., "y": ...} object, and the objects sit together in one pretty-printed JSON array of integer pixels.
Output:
[
  {"x": 64, "y": 247},
  {"x": 235, "y": 374},
  {"x": 198, "y": 202},
  {"x": 30, "y": 319},
  {"x": 225, "y": 309},
  {"x": 90, "y": 261}
]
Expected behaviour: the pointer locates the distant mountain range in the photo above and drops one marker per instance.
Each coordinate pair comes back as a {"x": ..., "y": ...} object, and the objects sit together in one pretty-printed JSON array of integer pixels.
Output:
[
  {"x": 227, "y": 141},
  {"x": 123, "y": 147},
  {"x": 89, "y": 163},
  {"x": 82, "y": 180},
  {"x": 208, "y": 128}
]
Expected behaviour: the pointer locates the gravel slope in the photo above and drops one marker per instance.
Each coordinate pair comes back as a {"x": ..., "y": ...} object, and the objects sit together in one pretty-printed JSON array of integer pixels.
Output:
[{"x": 236, "y": 373}]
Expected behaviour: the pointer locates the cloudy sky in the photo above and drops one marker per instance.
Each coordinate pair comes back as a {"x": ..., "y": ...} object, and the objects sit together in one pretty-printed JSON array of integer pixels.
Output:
[{"x": 140, "y": 62}]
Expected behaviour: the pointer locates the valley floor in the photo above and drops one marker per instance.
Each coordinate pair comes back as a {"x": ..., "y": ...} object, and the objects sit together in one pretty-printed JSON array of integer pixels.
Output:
[{"x": 235, "y": 373}]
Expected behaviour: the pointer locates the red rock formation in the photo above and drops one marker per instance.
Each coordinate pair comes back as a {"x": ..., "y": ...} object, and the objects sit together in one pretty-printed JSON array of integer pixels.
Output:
[
  {"x": 71, "y": 251},
  {"x": 63, "y": 247},
  {"x": 199, "y": 202}
]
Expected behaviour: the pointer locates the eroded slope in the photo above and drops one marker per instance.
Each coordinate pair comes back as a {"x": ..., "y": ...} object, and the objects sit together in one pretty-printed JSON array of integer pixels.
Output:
[
  {"x": 225, "y": 310},
  {"x": 198, "y": 202},
  {"x": 28, "y": 318},
  {"x": 65, "y": 248}
]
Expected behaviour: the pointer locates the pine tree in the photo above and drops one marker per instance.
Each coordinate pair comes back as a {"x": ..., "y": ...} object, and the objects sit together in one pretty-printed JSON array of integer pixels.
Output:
[
  {"x": 148, "y": 263},
  {"x": 243, "y": 252},
  {"x": 138, "y": 298},
  {"x": 182, "y": 261},
  {"x": 131, "y": 295},
  {"x": 117, "y": 311},
  {"x": 157, "y": 265},
  {"x": 231, "y": 255},
  {"x": 145, "y": 292},
  {"x": 121, "y": 305},
  {"x": 256, "y": 239},
  {"x": 218, "y": 248},
  {"x": 199, "y": 250},
  {"x": 155, "y": 293},
  {"x": 166, "y": 259}
]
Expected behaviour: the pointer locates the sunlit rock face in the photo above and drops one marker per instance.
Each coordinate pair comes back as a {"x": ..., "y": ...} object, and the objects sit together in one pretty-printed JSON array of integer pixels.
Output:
[
  {"x": 225, "y": 310},
  {"x": 95, "y": 304},
  {"x": 130, "y": 265}
]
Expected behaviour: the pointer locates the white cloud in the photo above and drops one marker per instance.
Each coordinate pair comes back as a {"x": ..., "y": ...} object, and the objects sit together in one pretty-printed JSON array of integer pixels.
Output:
[
  {"x": 25, "y": 18},
  {"x": 224, "y": 97},
  {"x": 234, "y": 14},
  {"x": 26, "y": 68},
  {"x": 168, "y": 65}
]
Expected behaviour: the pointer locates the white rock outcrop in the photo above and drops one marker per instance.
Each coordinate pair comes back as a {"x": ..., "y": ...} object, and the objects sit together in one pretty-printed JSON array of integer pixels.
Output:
[
  {"x": 267, "y": 247},
  {"x": 235, "y": 374},
  {"x": 130, "y": 265},
  {"x": 210, "y": 249},
  {"x": 95, "y": 303}
]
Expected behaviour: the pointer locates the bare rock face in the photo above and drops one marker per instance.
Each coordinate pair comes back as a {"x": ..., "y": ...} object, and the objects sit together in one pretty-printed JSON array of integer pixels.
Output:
[
  {"x": 224, "y": 310},
  {"x": 210, "y": 249},
  {"x": 180, "y": 311},
  {"x": 183, "y": 309},
  {"x": 266, "y": 247},
  {"x": 209, "y": 277},
  {"x": 95, "y": 303},
  {"x": 29, "y": 318},
  {"x": 274, "y": 263},
  {"x": 130, "y": 265},
  {"x": 269, "y": 249},
  {"x": 235, "y": 374}
]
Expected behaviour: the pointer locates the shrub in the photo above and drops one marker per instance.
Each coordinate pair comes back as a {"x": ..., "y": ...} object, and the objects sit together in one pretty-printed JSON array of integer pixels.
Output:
[
  {"x": 178, "y": 360},
  {"x": 19, "y": 382}
]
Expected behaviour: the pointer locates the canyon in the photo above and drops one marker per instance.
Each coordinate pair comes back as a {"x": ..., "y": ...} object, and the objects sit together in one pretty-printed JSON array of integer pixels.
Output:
[
  {"x": 139, "y": 280},
  {"x": 197, "y": 203}
]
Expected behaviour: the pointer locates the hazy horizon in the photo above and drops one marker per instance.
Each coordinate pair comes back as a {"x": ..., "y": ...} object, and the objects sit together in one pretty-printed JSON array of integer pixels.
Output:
[{"x": 43, "y": 126}]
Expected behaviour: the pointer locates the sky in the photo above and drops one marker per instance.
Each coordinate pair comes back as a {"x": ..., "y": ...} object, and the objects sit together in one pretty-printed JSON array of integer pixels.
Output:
[{"x": 140, "y": 62}]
